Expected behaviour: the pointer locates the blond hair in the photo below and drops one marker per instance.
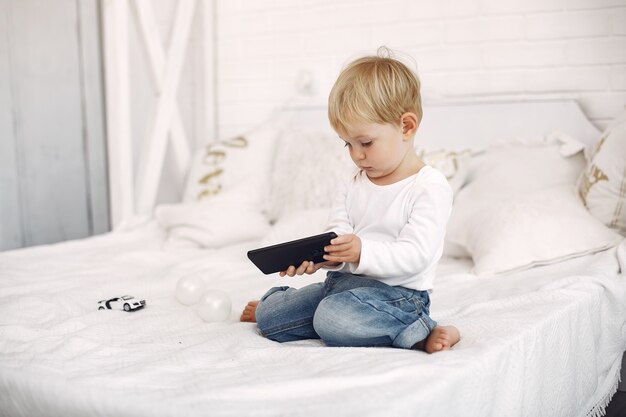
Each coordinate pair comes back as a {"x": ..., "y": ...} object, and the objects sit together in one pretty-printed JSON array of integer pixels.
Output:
[{"x": 374, "y": 89}]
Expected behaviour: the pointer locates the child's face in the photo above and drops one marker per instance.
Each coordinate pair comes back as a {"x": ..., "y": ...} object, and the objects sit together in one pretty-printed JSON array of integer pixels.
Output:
[{"x": 377, "y": 149}]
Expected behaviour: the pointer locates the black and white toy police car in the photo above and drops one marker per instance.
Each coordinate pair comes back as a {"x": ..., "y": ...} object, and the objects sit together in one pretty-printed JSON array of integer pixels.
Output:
[{"x": 125, "y": 302}]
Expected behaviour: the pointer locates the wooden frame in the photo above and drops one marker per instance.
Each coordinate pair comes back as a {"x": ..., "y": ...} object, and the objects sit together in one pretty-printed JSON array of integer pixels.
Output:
[{"x": 133, "y": 192}]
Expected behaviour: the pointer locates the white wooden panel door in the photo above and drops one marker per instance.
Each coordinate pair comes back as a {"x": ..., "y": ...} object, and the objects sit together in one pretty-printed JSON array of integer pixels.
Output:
[
  {"x": 149, "y": 127},
  {"x": 53, "y": 182}
]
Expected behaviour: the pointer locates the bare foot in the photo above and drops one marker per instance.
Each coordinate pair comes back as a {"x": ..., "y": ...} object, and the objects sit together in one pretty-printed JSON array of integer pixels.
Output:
[
  {"x": 249, "y": 312},
  {"x": 442, "y": 338}
]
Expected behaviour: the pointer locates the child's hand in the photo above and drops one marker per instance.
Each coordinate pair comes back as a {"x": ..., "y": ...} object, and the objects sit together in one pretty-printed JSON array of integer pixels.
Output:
[
  {"x": 307, "y": 267},
  {"x": 344, "y": 248}
]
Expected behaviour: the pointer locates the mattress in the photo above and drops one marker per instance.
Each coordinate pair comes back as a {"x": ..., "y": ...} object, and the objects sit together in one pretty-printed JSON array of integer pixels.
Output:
[{"x": 545, "y": 341}]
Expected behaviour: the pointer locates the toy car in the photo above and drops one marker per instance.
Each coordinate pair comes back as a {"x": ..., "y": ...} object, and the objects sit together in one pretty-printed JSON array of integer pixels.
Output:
[{"x": 125, "y": 302}]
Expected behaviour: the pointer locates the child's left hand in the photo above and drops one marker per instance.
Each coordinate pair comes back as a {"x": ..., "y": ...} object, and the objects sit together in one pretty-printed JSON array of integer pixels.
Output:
[{"x": 344, "y": 248}]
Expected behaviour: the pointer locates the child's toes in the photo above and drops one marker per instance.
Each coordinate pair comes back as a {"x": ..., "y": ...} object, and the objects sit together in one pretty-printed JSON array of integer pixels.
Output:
[{"x": 249, "y": 312}]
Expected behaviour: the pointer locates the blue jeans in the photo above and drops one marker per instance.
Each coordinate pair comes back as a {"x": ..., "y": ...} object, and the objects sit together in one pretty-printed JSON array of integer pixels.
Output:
[{"x": 346, "y": 310}]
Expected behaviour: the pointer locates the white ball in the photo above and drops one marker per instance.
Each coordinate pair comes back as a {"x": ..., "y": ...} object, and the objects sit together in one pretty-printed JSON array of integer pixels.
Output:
[
  {"x": 214, "y": 305},
  {"x": 189, "y": 289}
]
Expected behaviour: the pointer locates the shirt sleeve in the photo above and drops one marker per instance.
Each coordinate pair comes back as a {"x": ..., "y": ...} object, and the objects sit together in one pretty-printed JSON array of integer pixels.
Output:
[
  {"x": 418, "y": 242},
  {"x": 339, "y": 220}
]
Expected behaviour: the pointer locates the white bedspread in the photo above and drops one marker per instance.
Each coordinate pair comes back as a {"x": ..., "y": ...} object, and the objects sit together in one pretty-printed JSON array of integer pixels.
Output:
[{"x": 544, "y": 342}]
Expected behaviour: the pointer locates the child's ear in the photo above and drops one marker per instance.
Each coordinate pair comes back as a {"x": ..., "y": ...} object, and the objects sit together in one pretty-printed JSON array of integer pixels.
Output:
[{"x": 409, "y": 124}]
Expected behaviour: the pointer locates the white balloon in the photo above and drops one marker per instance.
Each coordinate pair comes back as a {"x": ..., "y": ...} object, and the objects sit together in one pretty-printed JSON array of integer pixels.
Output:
[
  {"x": 189, "y": 289},
  {"x": 214, "y": 305}
]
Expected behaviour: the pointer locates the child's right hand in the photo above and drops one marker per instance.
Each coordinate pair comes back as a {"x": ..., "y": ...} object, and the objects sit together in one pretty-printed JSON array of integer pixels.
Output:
[{"x": 307, "y": 267}]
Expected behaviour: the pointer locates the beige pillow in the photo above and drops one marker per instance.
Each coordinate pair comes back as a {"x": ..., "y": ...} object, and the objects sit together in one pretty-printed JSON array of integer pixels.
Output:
[
  {"x": 242, "y": 163},
  {"x": 602, "y": 184},
  {"x": 453, "y": 164},
  {"x": 307, "y": 169}
]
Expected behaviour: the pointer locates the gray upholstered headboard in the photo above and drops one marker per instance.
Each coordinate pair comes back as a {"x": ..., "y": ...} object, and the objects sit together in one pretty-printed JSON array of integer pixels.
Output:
[{"x": 475, "y": 125}]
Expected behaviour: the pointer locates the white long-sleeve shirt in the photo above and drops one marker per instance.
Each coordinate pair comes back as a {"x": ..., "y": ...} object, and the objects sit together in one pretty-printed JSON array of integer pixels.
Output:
[{"x": 401, "y": 226}]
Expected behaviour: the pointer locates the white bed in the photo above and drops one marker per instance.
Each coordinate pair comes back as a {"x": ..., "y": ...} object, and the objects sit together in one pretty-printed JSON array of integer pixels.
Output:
[{"x": 543, "y": 340}]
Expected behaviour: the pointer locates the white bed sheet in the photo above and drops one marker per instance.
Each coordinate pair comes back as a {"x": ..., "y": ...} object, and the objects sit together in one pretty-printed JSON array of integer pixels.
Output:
[{"x": 547, "y": 341}]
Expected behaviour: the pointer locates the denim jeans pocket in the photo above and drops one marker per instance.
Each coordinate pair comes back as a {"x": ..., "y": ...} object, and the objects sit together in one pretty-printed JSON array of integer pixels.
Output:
[
  {"x": 421, "y": 300},
  {"x": 398, "y": 297},
  {"x": 404, "y": 304}
]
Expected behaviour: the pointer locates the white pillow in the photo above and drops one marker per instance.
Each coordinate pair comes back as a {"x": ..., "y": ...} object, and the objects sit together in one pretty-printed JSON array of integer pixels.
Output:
[
  {"x": 602, "y": 185},
  {"x": 297, "y": 225},
  {"x": 223, "y": 166},
  {"x": 225, "y": 219},
  {"x": 519, "y": 210},
  {"x": 538, "y": 228},
  {"x": 308, "y": 168},
  {"x": 453, "y": 164}
]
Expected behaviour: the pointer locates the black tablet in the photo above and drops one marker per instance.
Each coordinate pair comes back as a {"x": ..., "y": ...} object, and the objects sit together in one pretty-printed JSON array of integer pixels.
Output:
[{"x": 279, "y": 257}]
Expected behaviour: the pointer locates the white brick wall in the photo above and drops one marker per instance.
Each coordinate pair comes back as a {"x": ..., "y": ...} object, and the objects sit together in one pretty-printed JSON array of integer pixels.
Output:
[{"x": 462, "y": 50}]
